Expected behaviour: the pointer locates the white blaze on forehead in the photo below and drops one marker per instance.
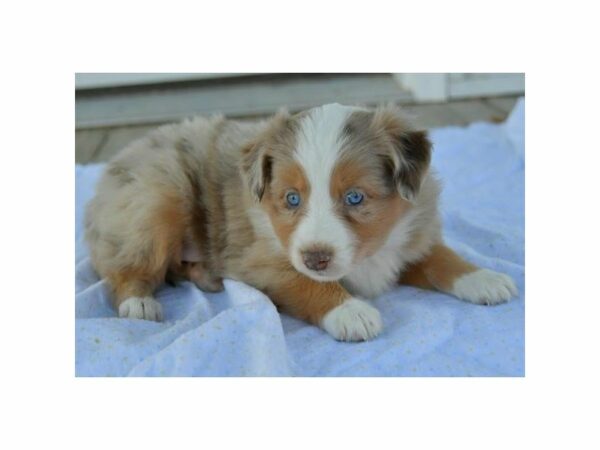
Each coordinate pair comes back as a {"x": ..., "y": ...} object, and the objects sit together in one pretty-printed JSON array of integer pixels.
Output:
[
  {"x": 319, "y": 139},
  {"x": 317, "y": 149}
]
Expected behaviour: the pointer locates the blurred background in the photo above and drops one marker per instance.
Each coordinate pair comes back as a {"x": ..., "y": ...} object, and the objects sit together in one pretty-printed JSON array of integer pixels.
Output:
[{"x": 112, "y": 109}]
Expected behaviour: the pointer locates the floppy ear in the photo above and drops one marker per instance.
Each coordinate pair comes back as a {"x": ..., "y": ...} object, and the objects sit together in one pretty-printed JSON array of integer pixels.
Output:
[
  {"x": 409, "y": 151},
  {"x": 412, "y": 155},
  {"x": 256, "y": 168},
  {"x": 256, "y": 163}
]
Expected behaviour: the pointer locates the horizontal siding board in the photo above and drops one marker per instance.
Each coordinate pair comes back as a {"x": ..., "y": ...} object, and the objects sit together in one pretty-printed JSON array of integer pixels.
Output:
[
  {"x": 490, "y": 85},
  {"x": 105, "y": 80},
  {"x": 249, "y": 98},
  {"x": 503, "y": 105}
]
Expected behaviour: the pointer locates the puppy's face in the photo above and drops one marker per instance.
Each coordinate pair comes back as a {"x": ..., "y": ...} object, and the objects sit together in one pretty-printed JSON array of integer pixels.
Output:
[{"x": 334, "y": 181}]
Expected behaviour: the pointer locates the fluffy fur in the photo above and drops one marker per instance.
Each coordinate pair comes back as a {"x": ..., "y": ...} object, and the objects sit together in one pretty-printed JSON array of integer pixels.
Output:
[{"x": 206, "y": 199}]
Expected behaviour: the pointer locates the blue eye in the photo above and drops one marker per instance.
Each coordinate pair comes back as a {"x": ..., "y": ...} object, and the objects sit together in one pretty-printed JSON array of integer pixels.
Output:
[
  {"x": 353, "y": 198},
  {"x": 293, "y": 199}
]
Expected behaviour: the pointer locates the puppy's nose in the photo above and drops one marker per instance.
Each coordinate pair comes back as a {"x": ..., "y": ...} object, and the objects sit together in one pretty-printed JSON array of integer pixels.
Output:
[{"x": 316, "y": 259}]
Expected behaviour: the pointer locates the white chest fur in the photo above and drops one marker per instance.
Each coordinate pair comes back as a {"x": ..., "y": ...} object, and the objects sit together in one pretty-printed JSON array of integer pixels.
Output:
[
  {"x": 375, "y": 275},
  {"x": 379, "y": 272}
]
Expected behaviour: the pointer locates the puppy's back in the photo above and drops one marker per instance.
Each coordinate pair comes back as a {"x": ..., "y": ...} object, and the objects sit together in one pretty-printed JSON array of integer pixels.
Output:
[{"x": 149, "y": 192}]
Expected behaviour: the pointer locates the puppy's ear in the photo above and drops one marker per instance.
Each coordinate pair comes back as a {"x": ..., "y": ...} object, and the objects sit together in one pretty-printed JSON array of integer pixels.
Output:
[
  {"x": 411, "y": 158},
  {"x": 409, "y": 151},
  {"x": 256, "y": 163},
  {"x": 256, "y": 168}
]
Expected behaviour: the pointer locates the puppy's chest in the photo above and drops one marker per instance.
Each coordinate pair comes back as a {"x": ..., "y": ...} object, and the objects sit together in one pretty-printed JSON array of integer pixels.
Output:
[{"x": 375, "y": 275}]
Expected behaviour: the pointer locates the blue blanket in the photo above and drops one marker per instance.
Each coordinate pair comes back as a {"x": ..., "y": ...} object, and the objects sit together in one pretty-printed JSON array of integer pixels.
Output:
[{"x": 239, "y": 332}]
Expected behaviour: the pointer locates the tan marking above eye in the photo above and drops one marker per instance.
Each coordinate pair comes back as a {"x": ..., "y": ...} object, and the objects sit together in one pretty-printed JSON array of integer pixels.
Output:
[
  {"x": 368, "y": 178},
  {"x": 287, "y": 176}
]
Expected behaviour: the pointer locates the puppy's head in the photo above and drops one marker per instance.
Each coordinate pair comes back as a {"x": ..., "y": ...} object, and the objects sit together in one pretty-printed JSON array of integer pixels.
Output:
[{"x": 334, "y": 180}]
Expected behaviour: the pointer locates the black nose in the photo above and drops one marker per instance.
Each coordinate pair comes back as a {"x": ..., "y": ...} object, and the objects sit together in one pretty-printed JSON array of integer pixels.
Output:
[{"x": 316, "y": 259}]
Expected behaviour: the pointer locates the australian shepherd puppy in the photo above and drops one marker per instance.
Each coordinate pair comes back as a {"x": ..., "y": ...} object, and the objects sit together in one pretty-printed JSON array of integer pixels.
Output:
[{"x": 321, "y": 211}]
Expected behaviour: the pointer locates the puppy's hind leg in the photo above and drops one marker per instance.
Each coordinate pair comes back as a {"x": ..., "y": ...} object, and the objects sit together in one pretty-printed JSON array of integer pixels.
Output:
[
  {"x": 144, "y": 260},
  {"x": 133, "y": 290}
]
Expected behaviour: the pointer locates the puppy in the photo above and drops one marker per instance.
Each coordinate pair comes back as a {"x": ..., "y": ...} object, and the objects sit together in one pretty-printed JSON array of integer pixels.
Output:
[{"x": 320, "y": 210}]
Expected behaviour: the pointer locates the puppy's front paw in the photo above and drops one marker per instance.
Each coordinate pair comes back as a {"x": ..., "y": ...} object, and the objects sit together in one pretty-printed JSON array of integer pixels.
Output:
[
  {"x": 353, "y": 320},
  {"x": 141, "y": 308},
  {"x": 485, "y": 287}
]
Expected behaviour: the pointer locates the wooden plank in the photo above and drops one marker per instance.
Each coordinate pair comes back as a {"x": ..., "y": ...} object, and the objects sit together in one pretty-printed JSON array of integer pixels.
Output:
[
  {"x": 503, "y": 105},
  {"x": 119, "y": 138},
  {"x": 475, "y": 111},
  {"x": 104, "y": 80},
  {"x": 87, "y": 144},
  {"x": 485, "y": 85},
  {"x": 457, "y": 113},
  {"x": 252, "y": 97},
  {"x": 433, "y": 115}
]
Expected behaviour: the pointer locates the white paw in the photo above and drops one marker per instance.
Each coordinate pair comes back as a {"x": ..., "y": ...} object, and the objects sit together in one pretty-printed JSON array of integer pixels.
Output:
[
  {"x": 141, "y": 308},
  {"x": 485, "y": 287},
  {"x": 353, "y": 320}
]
